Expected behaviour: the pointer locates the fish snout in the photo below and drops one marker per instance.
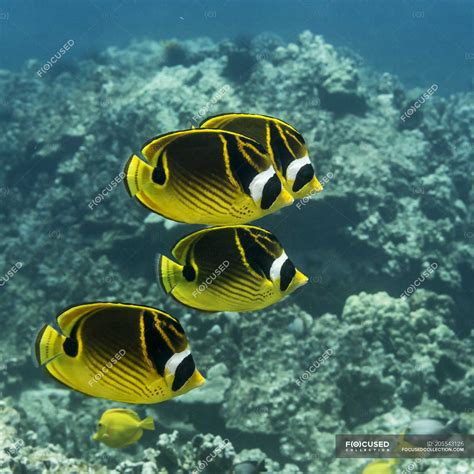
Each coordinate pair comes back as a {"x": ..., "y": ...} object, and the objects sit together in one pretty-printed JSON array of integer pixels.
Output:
[
  {"x": 316, "y": 186},
  {"x": 285, "y": 198},
  {"x": 300, "y": 279},
  {"x": 310, "y": 189},
  {"x": 197, "y": 379}
]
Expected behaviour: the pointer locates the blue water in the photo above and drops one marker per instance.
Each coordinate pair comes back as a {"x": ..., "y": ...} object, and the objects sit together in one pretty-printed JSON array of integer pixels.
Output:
[
  {"x": 398, "y": 198},
  {"x": 423, "y": 42}
]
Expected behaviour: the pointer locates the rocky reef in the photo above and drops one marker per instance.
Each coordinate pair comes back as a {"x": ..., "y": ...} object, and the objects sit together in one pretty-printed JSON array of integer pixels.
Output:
[{"x": 355, "y": 351}]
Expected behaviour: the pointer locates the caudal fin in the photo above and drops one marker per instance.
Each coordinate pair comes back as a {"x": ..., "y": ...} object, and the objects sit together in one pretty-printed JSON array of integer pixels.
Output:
[
  {"x": 147, "y": 423},
  {"x": 137, "y": 175},
  {"x": 48, "y": 345},
  {"x": 169, "y": 272}
]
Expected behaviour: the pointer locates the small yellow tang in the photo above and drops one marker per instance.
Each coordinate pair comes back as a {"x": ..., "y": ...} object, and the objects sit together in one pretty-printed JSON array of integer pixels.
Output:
[
  {"x": 120, "y": 427},
  {"x": 381, "y": 466}
]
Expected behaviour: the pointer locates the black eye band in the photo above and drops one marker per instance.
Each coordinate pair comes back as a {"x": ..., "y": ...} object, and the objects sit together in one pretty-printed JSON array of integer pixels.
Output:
[
  {"x": 287, "y": 272},
  {"x": 183, "y": 373},
  {"x": 189, "y": 273},
  {"x": 70, "y": 347},
  {"x": 158, "y": 351},
  {"x": 270, "y": 192},
  {"x": 159, "y": 175},
  {"x": 304, "y": 176}
]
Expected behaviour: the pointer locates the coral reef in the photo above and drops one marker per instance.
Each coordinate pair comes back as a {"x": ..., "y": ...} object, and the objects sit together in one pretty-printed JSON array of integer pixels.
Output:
[{"x": 396, "y": 199}]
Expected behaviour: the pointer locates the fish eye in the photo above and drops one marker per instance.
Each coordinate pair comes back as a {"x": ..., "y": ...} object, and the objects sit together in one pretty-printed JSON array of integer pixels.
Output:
[
  {"x": 183, "y": 373},
  {"x": 159, "y": 174},
  {"x": 304, "y": 176},
  {"x": 189, "y": 273},
  {"x": 287, "y": 273},
  {"x": 271, "y": 191},
  {"x": 71, "y": 347}
]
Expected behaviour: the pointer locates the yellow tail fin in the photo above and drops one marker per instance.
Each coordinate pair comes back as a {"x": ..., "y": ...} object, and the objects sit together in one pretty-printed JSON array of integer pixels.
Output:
[
  {"x": 147, "y": 423},
  {"x": 137, "y": 175},
  {"x": 48, "y": 345},
  {"x": 169, "y": 273}
]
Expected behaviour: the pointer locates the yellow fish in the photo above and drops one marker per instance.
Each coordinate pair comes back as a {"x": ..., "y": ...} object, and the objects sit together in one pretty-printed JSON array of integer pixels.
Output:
[
  {"x": 229, "y": 268},
  {"x": 206, "y": 177},
  {"x": 120, "y": 427},
  {"x": 381, "y": 466},
  {"x": 123, "y": 352},
  {"x": 283, "y": 143}
]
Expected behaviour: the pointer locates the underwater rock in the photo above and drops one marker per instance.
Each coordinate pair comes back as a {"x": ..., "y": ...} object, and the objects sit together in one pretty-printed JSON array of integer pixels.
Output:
[
  {"x": 356, "y": 357},
  {"x": 396, "y": 233},
  {"x": 19, "y": 456},
  {"x": 296, "y": 327},
  {"x": 10, "y": 370},
  {"x": 371, "y": 370},
  {"x": 254, "y": 461},
  {"x": 318, "y": 73},
  {"x": 173, "y": 456},
  {"x": 213, "y": 392},
  {"x": 339, "y": 91}
]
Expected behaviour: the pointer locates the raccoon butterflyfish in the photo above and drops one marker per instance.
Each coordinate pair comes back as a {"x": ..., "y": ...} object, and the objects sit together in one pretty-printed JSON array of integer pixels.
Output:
[
  {"x": 119, "y": 427},
  {"x": 381, "y": 466},
  {"x": 284, "y": 144},
  {"x": 206, "y": 177},
  {"x": 123, "y": 352},
  {"x": 229, "y": 268}
]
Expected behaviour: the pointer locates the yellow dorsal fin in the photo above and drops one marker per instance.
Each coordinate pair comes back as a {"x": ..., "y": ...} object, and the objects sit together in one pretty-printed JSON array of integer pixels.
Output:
[
  {"x": 152, "y": 148},
  {"x": 180, "y": 248},
  {"x": 71, "y": 315},
  {"x": 124, "y": 411},
  {"x": 221, "y": 120}
]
